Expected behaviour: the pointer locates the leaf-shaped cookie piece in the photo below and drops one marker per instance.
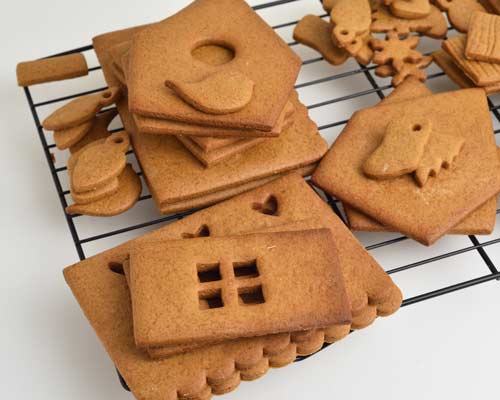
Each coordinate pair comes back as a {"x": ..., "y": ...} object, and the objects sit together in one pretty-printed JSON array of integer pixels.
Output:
[
  {"x": 90, "y": 195},
  {"x": 98, "y": 131},
  {"x": 98, "y": 164},
  {"x": 223, "y": 92},
  {"x": 80, "y": 110},
  {"x": 440, "y": 152},
  {"x": 402, "y": 148},
  {"x": 66, "y": 138},
  {"x": 94, "y": 195},
  {"x": 127, "y": 195}
]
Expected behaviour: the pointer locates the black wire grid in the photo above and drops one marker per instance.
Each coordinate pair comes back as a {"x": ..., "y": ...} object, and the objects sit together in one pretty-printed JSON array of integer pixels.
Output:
[{"x": 367, "y": 72}]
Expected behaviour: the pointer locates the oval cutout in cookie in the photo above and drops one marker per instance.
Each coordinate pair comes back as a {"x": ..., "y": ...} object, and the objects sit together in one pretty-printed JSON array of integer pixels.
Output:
[{"x": 213, "y": 53}]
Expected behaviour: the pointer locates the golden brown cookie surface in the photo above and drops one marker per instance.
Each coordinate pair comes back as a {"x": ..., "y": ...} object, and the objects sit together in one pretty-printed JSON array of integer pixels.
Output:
[
  {"x": 483, "y": 38},
  {"x": 51, "y": 69},
  {"x": 426, "y": 213}
]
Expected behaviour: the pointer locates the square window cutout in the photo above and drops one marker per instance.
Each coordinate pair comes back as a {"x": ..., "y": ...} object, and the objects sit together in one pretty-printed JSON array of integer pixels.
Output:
[
  {"x": 210, "y": 299},
  {"x": 245, "y": 269},
  {"x": 248, "y": 296},
  {"x": 208, "y": 272}
]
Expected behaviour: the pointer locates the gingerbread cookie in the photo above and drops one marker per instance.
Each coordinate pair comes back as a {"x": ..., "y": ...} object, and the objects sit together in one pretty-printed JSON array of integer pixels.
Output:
[
  {"x": 220, "y": 195},
  {"x": 314, "y": 32},
  {"x": 99, "y": 130},
  {"x": 409, "y": 9},
  {"x": 220, "y": 93},
  {"x": 434, "y": 25},
  {"x": 80, "y": 110},
  {"x": 493, "y": 6},
  {"x": 51, "y": 69},
  {"x": 208, "y": 144},
  {"x": 428, "y": 213},
  {"x": 273, "y": 69},
  {"x": 158, "y": 126},
  {"x": 440, "y": 152},
  {"x": 235, "y": 287},
  {"x": 100, "y": 163},
  {"x": 129, "y": 190},
  {"x": 395, "y": 49},
  {"x": 350, "y": 19},
  {"x": 481, "y": 73},
  {"x": 210, "y": 158},
  {"x": 197, "y": 373},
  {"x": 479, "y": 222},
  {"x": 405, "y": 69},
  {"x": 459, "y": 12},
  {"x": 401, "y": 149},
  {"x": 365, "y": 54},
  {"x": 483, "y": 38},
  {"x": 95, "y": 195},
  {"x": 161, "y": 155},
  {"x": 451, "y": 69},
  {"x": 68, "y": 137},
  {"x": 386, "y": 70}
]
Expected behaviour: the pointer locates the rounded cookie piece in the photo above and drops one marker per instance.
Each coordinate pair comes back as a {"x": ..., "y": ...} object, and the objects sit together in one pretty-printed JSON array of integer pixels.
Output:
[
  {"x": 80, "y": 110},
  {"x": 223, "y": 92},
  {"x": 95, "y": 195},
  {"x": 285, "y": 357},
  {"x": 255, "y": 372},
  {"x": 66, "y": 138},
  {"x": 98, "y": 131},
  {"x": 460, "y": 12},
  {"x": 126, "y": 196},
  {"x": 97, "y": 165},
  {"x": 336, "y": 333}
]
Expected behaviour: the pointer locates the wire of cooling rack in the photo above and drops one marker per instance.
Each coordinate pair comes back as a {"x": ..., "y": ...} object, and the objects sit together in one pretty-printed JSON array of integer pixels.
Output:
[{"x": 367, "y": 72}]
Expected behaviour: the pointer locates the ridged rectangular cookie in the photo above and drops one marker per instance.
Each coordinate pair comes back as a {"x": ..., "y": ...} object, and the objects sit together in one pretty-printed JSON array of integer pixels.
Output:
[
  {"x": 215, "y": 289},
  {"x": 480, "y": 72},
  {"x": 451, "y": 69},
  {"x": 483, "y": 38}
]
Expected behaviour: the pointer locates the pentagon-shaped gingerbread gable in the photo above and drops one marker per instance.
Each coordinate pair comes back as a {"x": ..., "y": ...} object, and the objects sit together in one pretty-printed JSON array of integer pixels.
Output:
[
  {"x": 423, "y": 213},
  {"x": 164, "y": 51}
]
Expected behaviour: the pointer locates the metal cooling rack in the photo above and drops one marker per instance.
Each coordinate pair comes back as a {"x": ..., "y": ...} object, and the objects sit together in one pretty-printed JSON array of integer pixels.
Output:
[{"x": 365, "y": 73}]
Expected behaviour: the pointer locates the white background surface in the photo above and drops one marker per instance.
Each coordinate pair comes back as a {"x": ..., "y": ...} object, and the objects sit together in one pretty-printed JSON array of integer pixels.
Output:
[{"x": 443, "y": 348}]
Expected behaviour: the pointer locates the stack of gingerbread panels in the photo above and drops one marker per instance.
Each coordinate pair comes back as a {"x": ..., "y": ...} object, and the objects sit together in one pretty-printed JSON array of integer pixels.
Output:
[
  {"x": 473, "y": 59},
  {"x": 211, "y": 109},
  {"x": 432, "y": 155},
  {"x": 188, "y": 294},
  {"x": 224, "y": 294}
]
